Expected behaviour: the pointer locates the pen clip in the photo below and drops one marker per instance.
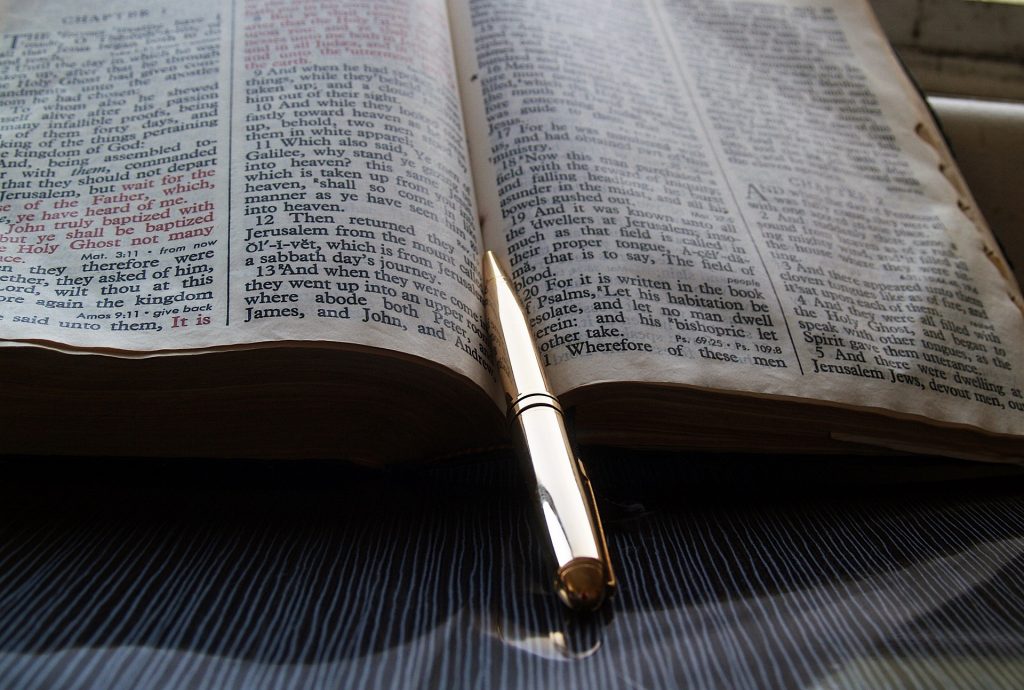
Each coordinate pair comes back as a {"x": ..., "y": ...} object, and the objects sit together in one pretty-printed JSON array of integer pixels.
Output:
[{"x": 611, "y": 582}]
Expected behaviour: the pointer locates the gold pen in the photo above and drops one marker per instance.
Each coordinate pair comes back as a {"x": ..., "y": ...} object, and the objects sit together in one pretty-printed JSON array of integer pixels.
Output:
[{"x": 584, "y": 576}]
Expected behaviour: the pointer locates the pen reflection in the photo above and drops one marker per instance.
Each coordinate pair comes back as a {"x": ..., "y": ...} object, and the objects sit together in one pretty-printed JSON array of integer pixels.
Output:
[
  {"x": 537, "y": 624},
  {"x": 555, "y": 645}
]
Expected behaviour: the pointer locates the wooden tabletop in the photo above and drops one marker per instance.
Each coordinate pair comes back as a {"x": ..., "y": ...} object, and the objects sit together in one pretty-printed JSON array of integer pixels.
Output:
[{"x": 736, "y": 573}]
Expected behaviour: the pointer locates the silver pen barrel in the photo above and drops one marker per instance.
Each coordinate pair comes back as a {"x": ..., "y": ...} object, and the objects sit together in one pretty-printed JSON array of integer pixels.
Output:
[{"x": 584, "y": 575}]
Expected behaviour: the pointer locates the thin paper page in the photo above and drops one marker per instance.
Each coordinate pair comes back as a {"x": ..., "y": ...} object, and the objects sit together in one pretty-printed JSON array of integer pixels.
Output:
[
  {"x": 736, "y": 196},
  {"x": 198, "y": 174}
]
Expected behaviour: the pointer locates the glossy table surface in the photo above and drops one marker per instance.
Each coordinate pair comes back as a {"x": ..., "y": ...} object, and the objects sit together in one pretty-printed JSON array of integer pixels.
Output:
[{"x": 736, "y": 573}]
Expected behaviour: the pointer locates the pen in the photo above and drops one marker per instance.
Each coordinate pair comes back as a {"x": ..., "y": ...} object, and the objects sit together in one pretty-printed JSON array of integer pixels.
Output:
[{"x": 584, "y": 575}]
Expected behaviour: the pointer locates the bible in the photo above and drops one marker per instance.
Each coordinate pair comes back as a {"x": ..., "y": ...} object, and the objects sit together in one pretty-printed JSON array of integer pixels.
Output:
[{"x": 254, "y": 228}]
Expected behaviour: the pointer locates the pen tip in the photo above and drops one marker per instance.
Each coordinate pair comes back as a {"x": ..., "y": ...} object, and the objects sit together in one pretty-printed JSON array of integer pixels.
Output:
[
  {"x": 491, "y": 265},
  {"x": 582, "y": 584}
]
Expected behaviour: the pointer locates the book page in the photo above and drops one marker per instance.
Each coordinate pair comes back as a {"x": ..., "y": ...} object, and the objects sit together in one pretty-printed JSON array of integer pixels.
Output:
[
  {"x": 741, "y": 196},
  {"x": 194, "y": 174}
]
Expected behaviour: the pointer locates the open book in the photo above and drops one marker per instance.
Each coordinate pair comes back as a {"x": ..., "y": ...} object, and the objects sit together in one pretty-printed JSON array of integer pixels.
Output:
[{"x": 254, "y": 228}]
